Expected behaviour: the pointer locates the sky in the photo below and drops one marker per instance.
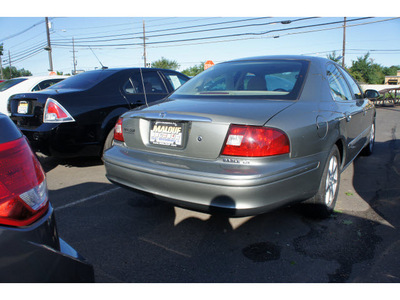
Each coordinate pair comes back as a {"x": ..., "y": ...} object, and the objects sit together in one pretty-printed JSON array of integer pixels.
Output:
[{"x": 112, "y": 35}]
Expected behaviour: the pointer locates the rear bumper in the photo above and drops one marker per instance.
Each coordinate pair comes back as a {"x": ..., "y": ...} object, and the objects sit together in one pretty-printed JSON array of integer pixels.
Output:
[
  {"x": 215, "y": 186},
  {"x": 36, "y": 254},
  {"x": 61, "y": 140}
]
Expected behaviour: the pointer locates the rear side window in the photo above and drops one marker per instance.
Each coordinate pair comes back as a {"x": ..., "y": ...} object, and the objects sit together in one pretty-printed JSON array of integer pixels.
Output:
[
  {"x": 45, "y": 84},
  {"x": 339, "y": 89},
  {"x": 10, "y": 83},
  {"x": 258, "y": 79}
]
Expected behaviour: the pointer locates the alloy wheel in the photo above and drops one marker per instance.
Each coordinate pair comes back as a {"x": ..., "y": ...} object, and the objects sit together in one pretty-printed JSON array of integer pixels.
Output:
[{"x": 331, "y": 181}]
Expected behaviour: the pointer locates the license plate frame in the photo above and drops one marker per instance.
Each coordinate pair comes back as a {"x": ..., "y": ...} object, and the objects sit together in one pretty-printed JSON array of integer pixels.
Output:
[
  {"x": 166, "y": 133},
  {"x": 23, "y": 107}
]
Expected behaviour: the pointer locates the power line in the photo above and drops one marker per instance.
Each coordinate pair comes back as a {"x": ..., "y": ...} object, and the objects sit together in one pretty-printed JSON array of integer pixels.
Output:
[
  {"x": 21, "y": 32},
  {"x": 180, "y": 28},
  {"x": 219, "y": 36}
]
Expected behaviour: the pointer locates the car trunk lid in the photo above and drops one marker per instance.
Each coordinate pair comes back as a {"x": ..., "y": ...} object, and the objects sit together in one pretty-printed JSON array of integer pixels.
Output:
[
  {"x": 27, "y": 109},
  {"x": 193, "y": 128}
]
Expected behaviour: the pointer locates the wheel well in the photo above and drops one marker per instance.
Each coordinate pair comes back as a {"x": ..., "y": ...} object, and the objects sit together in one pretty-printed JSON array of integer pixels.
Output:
[{"x": 340, "y": 145}]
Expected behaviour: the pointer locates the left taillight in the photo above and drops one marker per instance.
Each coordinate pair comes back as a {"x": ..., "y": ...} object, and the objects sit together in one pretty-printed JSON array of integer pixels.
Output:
[
  {"x": 54, "y": 112},
  {"x": 118, "y": 136},
  {"x": 23, "y": 187}
]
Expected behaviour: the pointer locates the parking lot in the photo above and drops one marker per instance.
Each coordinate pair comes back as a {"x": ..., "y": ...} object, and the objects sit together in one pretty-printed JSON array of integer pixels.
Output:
[{"x": 130, "y": 237}]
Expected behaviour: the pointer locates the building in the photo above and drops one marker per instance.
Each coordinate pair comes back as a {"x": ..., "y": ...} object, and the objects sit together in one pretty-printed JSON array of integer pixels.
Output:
[{"x": 393, "y": 79}]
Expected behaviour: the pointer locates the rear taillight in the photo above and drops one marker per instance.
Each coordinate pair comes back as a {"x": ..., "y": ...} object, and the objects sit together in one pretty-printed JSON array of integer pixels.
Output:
[
  {"x": 118, "y": 136},
  {"x": 253, "y": 141},
  {"x": 54, "y": 112},
  {"x": 23, "y": 188}
]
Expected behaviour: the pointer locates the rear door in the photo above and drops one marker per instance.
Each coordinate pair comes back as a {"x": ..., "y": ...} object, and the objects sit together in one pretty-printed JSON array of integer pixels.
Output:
[
  {"x": 353, "y": 111},
  {"x": 134, "y": 88},
  {"x": 358, "y": 96}
]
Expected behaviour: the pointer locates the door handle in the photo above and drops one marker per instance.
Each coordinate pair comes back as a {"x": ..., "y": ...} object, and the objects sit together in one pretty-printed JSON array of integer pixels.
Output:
[{"x": 347, "y": 116}]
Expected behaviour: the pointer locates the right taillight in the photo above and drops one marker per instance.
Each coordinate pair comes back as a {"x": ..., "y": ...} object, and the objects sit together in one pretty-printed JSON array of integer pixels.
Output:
[
  {"x": 255, "y": 141},
  {"x": 23, "y": 188},
  {"x": 118, "y": 136}
]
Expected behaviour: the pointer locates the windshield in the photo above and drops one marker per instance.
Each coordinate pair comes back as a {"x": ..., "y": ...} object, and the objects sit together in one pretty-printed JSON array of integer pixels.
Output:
[
  {"x": 10, "y": 83},
  {"x": 83, "y": 81},
  {"x": 265, "y": 79}
]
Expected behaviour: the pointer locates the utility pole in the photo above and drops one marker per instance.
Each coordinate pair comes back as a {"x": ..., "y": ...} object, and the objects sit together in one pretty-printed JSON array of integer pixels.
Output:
[
  {"x": 144, "y": 45},
  {"x": 73, "y": 55},
  {"x": 1, "y": 63},
  {"x": 344, "y": 42},
  {"x": 9, "y": 61},
  {"x": 1, "y": 68},
  {"x": 48, "y": 48}
]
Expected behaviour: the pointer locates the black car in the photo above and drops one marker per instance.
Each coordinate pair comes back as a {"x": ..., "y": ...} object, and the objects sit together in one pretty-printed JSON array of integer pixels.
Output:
[
  {"x": 30, "y": 248},
  {"x": 76, "y": 117}
]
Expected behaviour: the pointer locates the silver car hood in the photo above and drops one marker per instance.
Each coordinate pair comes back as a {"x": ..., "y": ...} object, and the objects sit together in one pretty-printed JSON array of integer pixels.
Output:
[{"x": 251, "y": 112}]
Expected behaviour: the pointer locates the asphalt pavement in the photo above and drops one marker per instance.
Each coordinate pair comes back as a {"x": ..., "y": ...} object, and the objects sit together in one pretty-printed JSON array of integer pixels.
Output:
[{"x": 130, "y": 237}]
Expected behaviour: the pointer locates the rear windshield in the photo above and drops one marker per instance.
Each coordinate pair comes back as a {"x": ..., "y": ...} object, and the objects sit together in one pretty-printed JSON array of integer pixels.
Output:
[
  {"x": 264, "y": 79},
  {"x": 83, "y": 81},
  {"x": 10, "y": 83}
]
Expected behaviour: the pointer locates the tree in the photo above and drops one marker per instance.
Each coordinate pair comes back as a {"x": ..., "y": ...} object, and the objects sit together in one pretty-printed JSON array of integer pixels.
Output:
[
  {"x": 15, "y": 73},
  {"x": 193, "y": 71},
  {"x": 365, "y": 70},
  {"x": 164, "y": 63},
  {"x": 390, "y": 71},
  {"x": 336, "y": 58}
]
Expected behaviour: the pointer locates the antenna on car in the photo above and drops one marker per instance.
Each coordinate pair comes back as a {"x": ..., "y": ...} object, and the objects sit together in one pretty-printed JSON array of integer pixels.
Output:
[
  {"x": 144, "y": 88},
  {"x": 102, "y": 67}
]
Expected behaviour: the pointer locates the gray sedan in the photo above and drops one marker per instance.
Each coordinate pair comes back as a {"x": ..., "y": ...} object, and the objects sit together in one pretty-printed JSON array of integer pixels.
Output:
[{"x": 247, "y": 136}]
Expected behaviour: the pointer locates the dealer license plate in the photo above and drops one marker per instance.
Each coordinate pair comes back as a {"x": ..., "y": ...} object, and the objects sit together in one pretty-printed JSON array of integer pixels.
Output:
[
  {"x": 23, "y": 107},
  {"x": 166, "y": 133}
]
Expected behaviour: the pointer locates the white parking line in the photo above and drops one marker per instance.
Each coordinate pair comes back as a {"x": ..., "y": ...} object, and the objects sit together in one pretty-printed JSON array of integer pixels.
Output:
[{"x": 87, "y": 199}]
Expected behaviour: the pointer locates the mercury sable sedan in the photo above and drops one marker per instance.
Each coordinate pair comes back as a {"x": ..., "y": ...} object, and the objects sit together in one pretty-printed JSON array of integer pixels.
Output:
[{"x": 247, "y": 136}]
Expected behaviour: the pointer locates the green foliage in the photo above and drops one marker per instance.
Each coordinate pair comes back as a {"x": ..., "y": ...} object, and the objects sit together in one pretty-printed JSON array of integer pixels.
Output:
[
  {"x": 366, "y": 71},
  {"x": 15, "y": 73},
  {"x": 336, "y": 58},
  {"x": 193, "y": 71},
  {"x": 390, "y": 71},
  {"x": 164, "y": 63}
]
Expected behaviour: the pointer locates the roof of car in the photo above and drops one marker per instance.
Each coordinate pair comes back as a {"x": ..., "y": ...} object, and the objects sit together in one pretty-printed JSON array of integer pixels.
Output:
[
  {"x": 41, "y": 77},
  {"x": 289, "y": 57}
]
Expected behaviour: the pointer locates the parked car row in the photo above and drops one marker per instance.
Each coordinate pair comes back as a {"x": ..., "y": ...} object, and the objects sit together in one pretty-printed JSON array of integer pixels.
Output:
[{"x": 241, "y": 138}]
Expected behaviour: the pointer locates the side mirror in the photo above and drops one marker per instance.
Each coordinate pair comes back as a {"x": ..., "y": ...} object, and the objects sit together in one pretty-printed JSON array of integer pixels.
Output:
[{"x": 371, "y": 94}]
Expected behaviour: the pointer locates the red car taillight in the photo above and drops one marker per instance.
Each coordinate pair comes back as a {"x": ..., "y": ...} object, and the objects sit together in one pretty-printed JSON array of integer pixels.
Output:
[
  {"x": 54, "y": 112},
  {"x": 23, "y": 188},
  {"x": 118, "y": 136},
  {"x": 253, "y": 141}
]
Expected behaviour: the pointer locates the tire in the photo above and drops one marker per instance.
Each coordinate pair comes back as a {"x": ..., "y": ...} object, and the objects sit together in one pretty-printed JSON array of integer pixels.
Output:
[
  {"x": 367, "y": 151},
  {"x": 109, "y": 141},
  {"x": 323, "y": 203}
]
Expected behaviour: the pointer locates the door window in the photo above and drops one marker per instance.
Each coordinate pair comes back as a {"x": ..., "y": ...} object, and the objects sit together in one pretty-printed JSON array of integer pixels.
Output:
[
  {"x": 339, "y": 89},
  {"x": 152, "y": 84},
  {"x": 355, "y": 88},
  {"x": 175, "y": 80}
]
